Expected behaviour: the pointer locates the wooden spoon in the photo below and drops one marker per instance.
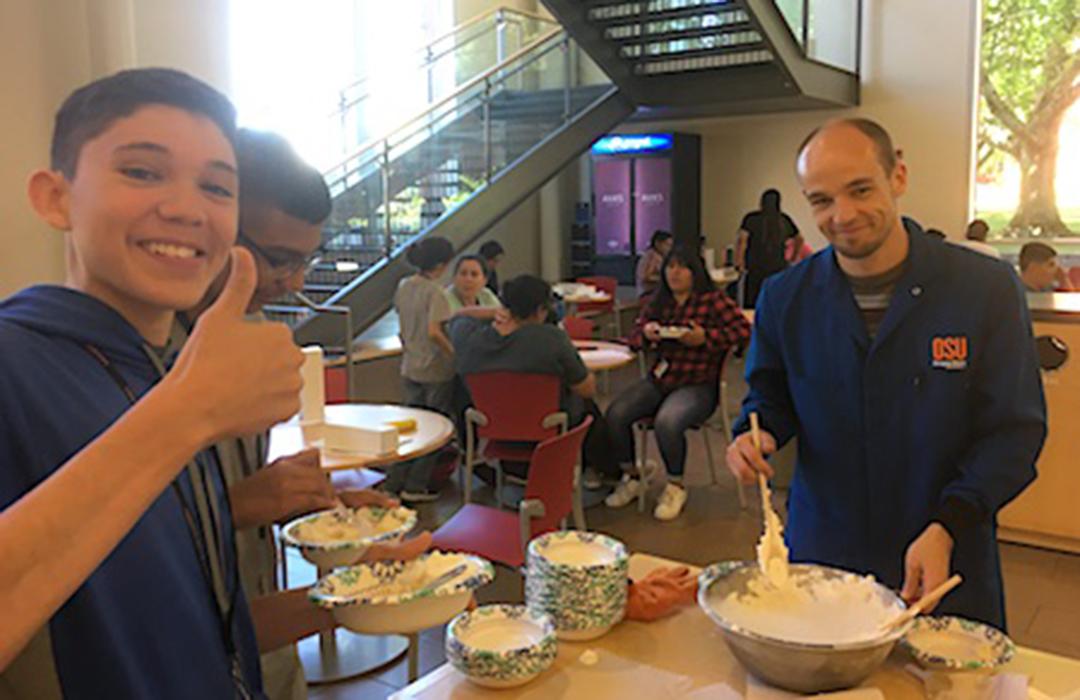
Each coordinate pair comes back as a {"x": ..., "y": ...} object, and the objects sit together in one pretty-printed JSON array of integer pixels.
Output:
[{"x": 923, "y": 603}]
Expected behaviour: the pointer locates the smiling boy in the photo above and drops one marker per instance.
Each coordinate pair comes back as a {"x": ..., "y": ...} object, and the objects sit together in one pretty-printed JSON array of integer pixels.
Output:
[{"x": 119, "y": 578}]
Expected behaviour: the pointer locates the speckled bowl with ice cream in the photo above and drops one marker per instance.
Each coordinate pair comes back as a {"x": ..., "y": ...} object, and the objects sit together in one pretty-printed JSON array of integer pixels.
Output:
[
  {"x": 501, "y": 646},
  {"x": 330, "y": 538},
  {"x": 388, "y": 597}
]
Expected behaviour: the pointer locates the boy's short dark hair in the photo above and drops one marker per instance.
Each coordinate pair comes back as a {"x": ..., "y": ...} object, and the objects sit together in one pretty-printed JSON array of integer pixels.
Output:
[
  {"x": 1035, "y": 252},
  {"x": 271, "y": 173},
  {"x": 91, "y": 109},
  {"x": 977, "y": 230},
  {"x": 524, "y": 294},
  {"x": 491, "y": 250}
]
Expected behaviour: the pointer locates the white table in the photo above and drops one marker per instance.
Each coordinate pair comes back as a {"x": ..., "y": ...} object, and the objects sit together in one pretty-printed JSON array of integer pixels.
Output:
[
  {"x": 341, "y": 654},
  {"x": 685, "y": 654},
  {"x": 600, "y": 355},
  {"x": 433, "y": 430}
]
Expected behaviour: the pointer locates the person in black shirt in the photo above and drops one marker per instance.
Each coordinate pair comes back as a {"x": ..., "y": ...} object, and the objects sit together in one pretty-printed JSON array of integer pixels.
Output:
[{"x": 759, "y": 251}]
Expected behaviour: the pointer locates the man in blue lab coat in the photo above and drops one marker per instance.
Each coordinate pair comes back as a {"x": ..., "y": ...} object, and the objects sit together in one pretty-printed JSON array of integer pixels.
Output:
[{"x": 907, "y": 369}]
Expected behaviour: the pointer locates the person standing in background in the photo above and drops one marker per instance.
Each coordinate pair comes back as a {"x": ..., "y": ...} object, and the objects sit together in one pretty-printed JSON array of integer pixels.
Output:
[
  {"x": 492, "y": 253},
  {"x": 427, "y": 360},
  {"x": 760, "y": 247}
]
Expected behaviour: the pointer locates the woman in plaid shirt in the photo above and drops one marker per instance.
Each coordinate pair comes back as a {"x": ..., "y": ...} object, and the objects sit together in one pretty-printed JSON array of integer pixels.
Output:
[{"x": 691, "y": 325}]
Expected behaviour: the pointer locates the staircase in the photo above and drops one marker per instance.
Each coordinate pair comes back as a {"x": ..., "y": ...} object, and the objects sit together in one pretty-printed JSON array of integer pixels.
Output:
[
  {"x": 453, "y": 170},
  {"x": 474, "y": 153},
  {"x": 692, "y": 58}
]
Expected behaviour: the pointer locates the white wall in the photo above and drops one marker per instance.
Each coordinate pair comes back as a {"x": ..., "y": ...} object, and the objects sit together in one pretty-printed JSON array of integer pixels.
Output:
[{"x": 918, "y": 81}]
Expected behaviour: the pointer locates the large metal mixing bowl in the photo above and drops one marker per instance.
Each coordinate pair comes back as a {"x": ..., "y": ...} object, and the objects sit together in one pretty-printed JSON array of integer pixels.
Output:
[{"x": 797, "y": 666}]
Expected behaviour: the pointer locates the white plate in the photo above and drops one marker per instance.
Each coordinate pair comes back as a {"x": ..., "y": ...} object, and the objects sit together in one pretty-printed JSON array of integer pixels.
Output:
[
  {"x": 673, "y": 332},
  {"x": 501, "y": 646}
]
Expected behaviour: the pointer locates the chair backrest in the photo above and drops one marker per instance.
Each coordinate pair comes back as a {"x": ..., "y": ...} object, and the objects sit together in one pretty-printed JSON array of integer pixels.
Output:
[
  {"x": 608, "y": 285},
  {"x": 1074, "y": 277},
  {"x": 515, "y": 404},
  {"x": 579, "y": 328},
  {"x": 551, "y": 476}
]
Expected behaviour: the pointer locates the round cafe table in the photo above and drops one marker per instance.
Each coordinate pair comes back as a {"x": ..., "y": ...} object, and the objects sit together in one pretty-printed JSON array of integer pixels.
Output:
[
  {"x": 600, "y": 355},
  {"x": 341, "y": 654},
  {"x": 433, "y": 430},
  {"x": 572, "y": 295}
]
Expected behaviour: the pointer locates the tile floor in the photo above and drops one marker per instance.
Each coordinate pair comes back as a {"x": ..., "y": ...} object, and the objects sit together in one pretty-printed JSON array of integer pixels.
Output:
[{"x": 1042, "y": 587}]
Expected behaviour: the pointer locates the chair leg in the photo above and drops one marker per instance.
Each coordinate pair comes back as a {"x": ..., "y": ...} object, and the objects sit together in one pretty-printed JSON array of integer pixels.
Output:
[
  {"x": 642, "y": 476},
  {"x": 709, "y": 455},
  {"x": 498, "y": 483},
  {"x": 578, "y": 505},
  {"x": 414, "y": 657},
  {"x": 470, "y": 455}
]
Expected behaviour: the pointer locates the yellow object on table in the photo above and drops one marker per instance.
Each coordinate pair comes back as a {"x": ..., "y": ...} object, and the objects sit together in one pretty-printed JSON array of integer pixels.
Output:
[{"x": 405, "y": 425}]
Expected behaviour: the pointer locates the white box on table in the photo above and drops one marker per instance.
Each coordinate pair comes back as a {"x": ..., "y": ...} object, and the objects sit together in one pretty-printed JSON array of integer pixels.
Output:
[{"x": 348, "y": 438}]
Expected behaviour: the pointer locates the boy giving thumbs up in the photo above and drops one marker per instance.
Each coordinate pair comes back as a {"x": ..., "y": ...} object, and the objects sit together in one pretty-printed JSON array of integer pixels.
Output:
[{"x": 118, "y": 578}]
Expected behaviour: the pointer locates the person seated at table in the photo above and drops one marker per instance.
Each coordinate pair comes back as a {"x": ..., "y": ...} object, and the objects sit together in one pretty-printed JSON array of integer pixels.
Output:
[
  {"x": 469, "y": 292},
  {"x": 427, "y": 358},
  {"x": 975, "y": 239},
  {"x": 283, "y": 205},
  {"x": 682, "y": 387},
  {"x": 647, "y": 273},
  {"x": 492, "y": 253},
  {"x": 1040, "y": 270},
  {"x": 523, "y": 341}
]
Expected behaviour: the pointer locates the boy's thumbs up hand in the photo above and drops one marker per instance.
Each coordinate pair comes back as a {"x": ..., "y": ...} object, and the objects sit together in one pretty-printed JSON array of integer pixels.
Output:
[{"x": 241, "y": 376}]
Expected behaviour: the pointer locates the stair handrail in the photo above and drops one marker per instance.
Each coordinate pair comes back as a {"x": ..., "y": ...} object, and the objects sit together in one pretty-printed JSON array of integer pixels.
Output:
[
  {"x": 465, "y": 87},
  {"x": 429, "y": 57}
]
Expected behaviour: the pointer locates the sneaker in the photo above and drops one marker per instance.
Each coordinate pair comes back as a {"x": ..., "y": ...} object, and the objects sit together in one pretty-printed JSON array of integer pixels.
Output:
[
  {"x": 671, "y": 502},
  {"x": 591, "y": 479},
  {"x": 425, "y": 496},
  {"x": 625, "y": 492}
]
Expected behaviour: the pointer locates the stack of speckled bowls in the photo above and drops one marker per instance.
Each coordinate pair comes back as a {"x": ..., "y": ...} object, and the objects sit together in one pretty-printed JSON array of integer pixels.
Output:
[{"x": 580, "y": 580}]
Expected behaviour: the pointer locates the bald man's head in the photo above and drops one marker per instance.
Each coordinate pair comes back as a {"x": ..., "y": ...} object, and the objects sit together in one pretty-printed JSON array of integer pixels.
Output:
[
  {"x": 853, "y": 178},
  {"x": 882, "y": 142}
]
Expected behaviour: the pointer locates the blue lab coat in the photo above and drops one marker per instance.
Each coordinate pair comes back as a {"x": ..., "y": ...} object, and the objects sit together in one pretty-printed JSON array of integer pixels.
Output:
[{"x": 940, "y": 418}]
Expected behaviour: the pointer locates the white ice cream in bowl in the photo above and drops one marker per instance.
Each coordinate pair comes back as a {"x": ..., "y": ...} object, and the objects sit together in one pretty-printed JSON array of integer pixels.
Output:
[
  {"x": 390, "y": 597},
  {"x": 341, "y": 537}
]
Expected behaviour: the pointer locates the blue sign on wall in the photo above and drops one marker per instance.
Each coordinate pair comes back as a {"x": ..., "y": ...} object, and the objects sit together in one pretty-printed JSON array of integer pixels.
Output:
[{"x": 632, "y": 143}]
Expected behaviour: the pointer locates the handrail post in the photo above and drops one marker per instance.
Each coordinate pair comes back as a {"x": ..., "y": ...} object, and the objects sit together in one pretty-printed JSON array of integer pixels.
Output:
[
  {"x": 806, "y": 28},
  {"x": 566, "y": 78},
  {"x": 430, "y": 76},
  {"x": 342, "y": 110},
  {"x": 385, "y": 167},
  {"x": 486, "y": 112},
  {"x": 500, "y": 35}
]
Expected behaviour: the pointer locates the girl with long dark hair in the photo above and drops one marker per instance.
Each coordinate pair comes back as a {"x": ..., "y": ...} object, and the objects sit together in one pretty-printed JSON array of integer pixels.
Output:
[{"x": 691, "y": 325}]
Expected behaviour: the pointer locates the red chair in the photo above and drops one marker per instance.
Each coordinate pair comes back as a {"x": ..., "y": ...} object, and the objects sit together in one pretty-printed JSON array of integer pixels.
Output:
[
  {"x": 512, "y": 411},
  {"x": 1074, "y": 277},
  {"x": 608, "y": 285},
  {"x": 337, "y": 385},
  {"x": 550, "y": 489},
  {"x": 579, "y": 328}
]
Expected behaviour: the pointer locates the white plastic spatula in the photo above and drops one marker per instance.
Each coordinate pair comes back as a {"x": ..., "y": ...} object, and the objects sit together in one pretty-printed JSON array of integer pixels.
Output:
[{"x": 771, "y": 551}]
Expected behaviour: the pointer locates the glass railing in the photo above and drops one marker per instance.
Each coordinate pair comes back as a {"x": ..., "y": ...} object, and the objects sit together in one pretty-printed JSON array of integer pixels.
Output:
[
  {"x": 396, "y": 186},
  {"x": 827, "y": 30},
  {"x": 438, "y": 70}
]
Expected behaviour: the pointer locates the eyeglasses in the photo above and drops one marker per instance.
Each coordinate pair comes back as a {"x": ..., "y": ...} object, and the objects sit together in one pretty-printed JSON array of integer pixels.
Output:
[{"x": 284, "y": 263}]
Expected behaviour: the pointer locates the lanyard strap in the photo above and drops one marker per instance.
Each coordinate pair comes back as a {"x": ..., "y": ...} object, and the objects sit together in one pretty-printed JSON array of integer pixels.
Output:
[{"x": 204, "y": 531}]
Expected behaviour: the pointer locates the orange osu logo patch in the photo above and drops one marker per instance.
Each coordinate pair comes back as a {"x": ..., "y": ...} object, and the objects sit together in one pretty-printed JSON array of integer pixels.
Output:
[{"x": 949, "y": 352}]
